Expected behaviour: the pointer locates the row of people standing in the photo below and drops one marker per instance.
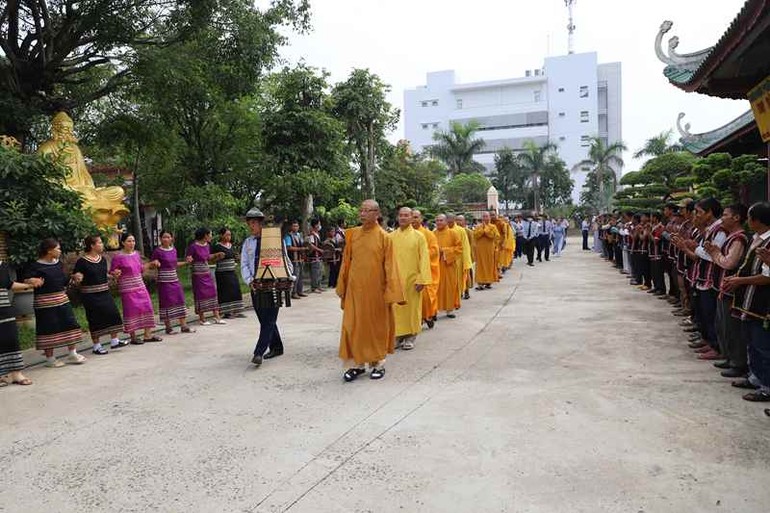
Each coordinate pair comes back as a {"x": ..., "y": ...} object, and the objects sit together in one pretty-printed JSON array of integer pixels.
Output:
[
  {"x": 55, "y": 322},
  {"x": 539, "y": 233},
  {"x": 699, "y": 257}
]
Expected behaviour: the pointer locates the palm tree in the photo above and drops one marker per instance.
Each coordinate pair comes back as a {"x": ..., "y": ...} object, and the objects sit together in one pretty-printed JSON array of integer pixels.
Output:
[
  {"x": 534, "y": 159},
  {"x": 603, "y": 160},
  {"x": 456, "y": 148},
  {"x": 658, "y": 145}
]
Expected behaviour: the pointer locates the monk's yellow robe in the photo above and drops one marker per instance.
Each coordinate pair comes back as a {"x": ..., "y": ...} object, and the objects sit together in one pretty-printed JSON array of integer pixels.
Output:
[
  {"x": 411, "y": 251},
  {"x": 451, "y": 258},
  {"x": 470, "y": 273},
  {"x": 487, "y": 237},
  {"x": 500, "y": 225},
  {"x": 509, "y": 246},
  {"x": 369, "y": 285},
  {"x": 467, "y": 263},
  {"x": 430, "y": 292}
]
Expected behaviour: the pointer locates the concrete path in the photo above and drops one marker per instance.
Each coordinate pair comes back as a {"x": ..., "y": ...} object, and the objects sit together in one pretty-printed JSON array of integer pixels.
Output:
[{"x": 561, "y": 390}]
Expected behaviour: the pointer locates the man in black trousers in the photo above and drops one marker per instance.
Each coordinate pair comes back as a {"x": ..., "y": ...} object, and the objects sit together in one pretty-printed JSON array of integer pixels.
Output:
[{"x": 530, "y": 232}]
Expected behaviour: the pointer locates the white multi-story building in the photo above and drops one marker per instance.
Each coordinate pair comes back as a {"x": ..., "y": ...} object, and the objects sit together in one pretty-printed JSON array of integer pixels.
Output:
[{"x": 568, "y": 101}]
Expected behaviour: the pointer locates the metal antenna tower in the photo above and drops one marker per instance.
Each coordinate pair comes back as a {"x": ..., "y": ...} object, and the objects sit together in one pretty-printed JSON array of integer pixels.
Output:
[{"x": 571, "y": 26}]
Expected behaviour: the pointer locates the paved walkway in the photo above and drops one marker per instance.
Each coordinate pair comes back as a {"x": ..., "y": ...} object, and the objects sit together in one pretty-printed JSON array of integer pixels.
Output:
[{"x": 562, "y": 390}]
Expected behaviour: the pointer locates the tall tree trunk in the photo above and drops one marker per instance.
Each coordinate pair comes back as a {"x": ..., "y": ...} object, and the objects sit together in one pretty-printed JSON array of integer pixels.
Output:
[{"x": 307, "y": 210}]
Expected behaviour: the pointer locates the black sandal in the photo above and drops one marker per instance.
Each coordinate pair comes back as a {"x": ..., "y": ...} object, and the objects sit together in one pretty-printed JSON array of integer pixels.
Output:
[
  {"x": 745, "y": 384},
  {"x": 153, "y": 338},
  {"x": 352, "y": 374},
  {"x": 121, "y": 343},
  {"x": 757, "y": 397},
  {"x": 377, "y": 374}
]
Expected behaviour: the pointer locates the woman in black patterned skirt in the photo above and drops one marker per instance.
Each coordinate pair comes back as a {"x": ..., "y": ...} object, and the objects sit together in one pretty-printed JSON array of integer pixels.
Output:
[
  {"x": 228, "y": 287},
  {"x": 11, "y": 363},
  {"x": 101, "y": 311}
]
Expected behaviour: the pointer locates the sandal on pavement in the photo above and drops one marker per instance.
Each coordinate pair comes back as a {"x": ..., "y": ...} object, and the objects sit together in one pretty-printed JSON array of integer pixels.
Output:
[
  {"x": 745, "y": 384},
  {"x": 220, "y": 321},
  {"x": 75, "y": 359},
  {"x": 137, "y": 342},
  {"x": 54, "y": 364},
  {"x": 153, "y": 338},
  {"x": 169, "y": 331},
  {"x": 757, "y": 397},
  {"x": 3, "y": 383},
  {"x": 186, "y": 330},
  {"x": 120, "y": 344},
  {"x": 352, "y": 374},
  {"x": 206, "y": 323},
  {"x": 22, "y": 381},
  {"x": 377, "y": 374}
]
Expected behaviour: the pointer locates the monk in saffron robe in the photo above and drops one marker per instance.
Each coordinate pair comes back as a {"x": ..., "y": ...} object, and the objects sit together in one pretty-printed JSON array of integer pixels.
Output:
[
  {"x": 500, "y": 225},
  {"x": 430, "y": 292},
  {"x": 487, "y": 237},
  {"x": 509, "y": 245},
  {"x": 462, "y": 222},
  {"x": 467, "y": 264},
  {"x": 411, "y": 252},
  {"x": 451, "y": 257},
  {"x": 369, "y": 285}
]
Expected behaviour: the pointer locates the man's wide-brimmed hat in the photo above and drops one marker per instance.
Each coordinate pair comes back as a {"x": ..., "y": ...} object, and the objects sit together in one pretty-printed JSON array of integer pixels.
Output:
[{"x": 254, "y": 213}]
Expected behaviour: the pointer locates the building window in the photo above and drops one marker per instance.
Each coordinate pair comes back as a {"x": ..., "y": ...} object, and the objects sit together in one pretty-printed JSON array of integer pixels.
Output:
[
  {"x": 537, "y": 96},
  {"x": 585, "y": 141},
  {"x": 434, "y": 103},
  {"x": 561, "y": 89},
  {"x": 562, "y": 138},
  {"x": 459, "y": 103},
  {"x": 584, "y": 91},
  {"x": 562, "y": 114},
  {"x": 424, "y": 126},
  {"x": 435, "y": 125},
  {"x": 584, "y": 116}
]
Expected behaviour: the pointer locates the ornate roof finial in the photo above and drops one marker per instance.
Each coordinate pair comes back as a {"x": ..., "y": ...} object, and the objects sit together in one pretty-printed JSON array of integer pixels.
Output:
[
  {"x": 685, "y": 61},
  {"x": 684, "y": 132}
]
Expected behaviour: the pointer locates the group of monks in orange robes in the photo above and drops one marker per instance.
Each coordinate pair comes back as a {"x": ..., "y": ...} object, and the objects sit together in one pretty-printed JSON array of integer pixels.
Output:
[{"x": 390, "y": 283}]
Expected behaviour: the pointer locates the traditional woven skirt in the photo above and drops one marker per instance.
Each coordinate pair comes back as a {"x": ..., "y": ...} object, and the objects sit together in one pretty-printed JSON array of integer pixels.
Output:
[
  {"x": 204, "y": 290},
  {"x": 137, "y": 306},
  {"x": 101, "y": 311},
  {"x": 55, "y": 322},
  {"x": 171, "y": 301},
  {"x": 10, "y": 354},
  {"x": 228, "y": 288}
]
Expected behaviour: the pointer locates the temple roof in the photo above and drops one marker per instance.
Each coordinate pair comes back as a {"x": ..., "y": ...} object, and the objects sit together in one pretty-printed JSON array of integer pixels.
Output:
[
  {"x": 735, "y": 64},
  {"x": 719, "y": 139}
]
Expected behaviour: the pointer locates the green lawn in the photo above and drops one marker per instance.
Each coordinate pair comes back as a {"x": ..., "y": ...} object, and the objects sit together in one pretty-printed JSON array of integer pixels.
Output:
[{"x": 27, "y": 334}]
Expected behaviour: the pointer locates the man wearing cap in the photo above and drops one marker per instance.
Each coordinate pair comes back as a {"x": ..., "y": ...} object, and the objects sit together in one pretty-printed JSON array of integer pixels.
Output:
[{"x": 269, "y": 336}]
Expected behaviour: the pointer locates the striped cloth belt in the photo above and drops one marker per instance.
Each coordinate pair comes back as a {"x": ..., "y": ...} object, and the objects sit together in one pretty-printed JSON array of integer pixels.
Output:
[
  {"x": 200, "y": 268},
  {"x": 130, "y": 283},
  {"x": 93, "y": 289},
  {"x": 226, "y": 265},
  {"x": 50, "y": 300},
  {"x": 5, "y": 298},
  {"x": 167, "y": 276}
]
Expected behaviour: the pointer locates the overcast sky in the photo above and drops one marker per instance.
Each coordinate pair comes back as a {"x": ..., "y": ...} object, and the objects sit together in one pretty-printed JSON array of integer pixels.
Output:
[{"x": 401, "y": 40}]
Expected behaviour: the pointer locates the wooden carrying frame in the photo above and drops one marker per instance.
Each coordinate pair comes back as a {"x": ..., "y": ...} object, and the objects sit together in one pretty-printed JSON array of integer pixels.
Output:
[{"x": 272, "y": 280}]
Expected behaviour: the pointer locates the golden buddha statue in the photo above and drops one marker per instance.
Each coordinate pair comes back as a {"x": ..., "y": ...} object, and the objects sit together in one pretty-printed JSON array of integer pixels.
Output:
[{"x": 105, "y": 203}]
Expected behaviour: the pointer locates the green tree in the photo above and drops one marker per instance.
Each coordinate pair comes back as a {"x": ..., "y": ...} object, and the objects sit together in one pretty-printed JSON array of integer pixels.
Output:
[
  {"x": 466, "y": 188},
  {"x": 535, "y": 159},
  {"x": 729, "y": 179},
  {"x": 65, "y": 54},
  {"x": 555, "y": 183},
  {"x": 658, "y": 145},
  {"x": 457, "y": 146},
  {"x": 303, "y": 143},
  {"x": 605, "y": 162},
  {"x": 509, "y": 178},
  {"x": 208, "y": 206},
  {"x": 34, "y": 204},
  {"x": 360, "y": 102},
  {"x": 405, "y": 177}
]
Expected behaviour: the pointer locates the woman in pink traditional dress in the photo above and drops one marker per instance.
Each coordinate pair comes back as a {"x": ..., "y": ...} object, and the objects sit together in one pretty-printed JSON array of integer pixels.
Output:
[
  {"x": 205, "y": 291},
  {"x": 127, "y": 267},
  {"x": 171, "y": 301}
]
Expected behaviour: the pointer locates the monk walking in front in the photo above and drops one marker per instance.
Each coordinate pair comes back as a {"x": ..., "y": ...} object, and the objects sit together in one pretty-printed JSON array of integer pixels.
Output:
[
  {"x": 430, "y": 292},
  {"x": 451, "y": 257},
  {"x": 411, "y": 251},
  {"x": 487, "y": 238},
  {"x": 369, "y": 285},
  {"x": 463, "y": 223},
  {"x": 467, "y": 263}
]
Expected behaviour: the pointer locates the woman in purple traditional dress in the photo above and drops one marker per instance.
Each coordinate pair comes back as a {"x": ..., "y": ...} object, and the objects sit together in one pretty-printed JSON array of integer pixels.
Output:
[
  {"x": 205, "y": 292},
  {"x": 127, "y": 267},
  {"x": 171, "y": 301},
  {"x": 229, "y": 292},
  {"x": 55, "y": 323}
]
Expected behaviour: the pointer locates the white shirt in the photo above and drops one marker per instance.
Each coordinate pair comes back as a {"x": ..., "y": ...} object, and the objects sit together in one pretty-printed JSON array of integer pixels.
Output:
[{"x": 718, "y": 241}]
